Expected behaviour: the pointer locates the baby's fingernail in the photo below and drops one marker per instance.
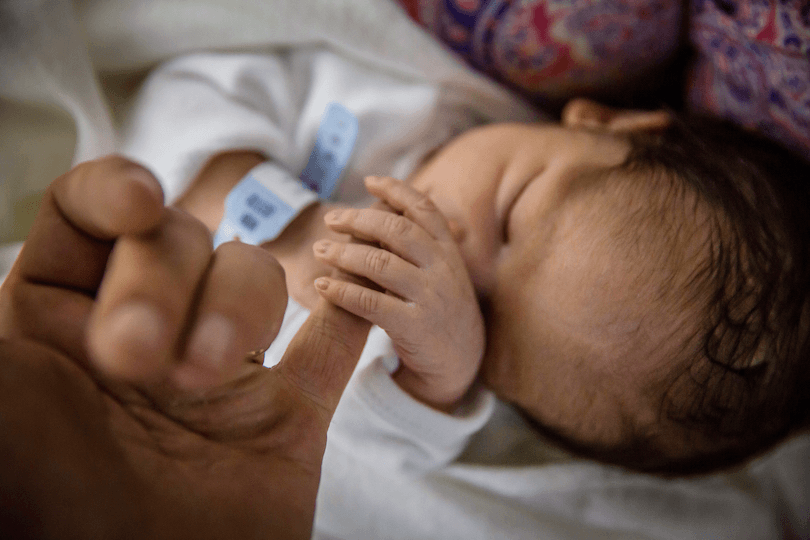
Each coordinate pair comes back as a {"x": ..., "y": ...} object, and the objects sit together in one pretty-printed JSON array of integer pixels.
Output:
[
  {"x": 129, "y": 337},
  {"x": 333, "y": 215},
  {"x": 211, "y": 340},
  {"x": 321, "y": 246},
  {"x": 322, "y": 284}
]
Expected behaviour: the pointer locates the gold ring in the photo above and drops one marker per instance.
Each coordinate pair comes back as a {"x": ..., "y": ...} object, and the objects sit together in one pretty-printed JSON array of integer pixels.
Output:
[{"x": 256, "y": 356}]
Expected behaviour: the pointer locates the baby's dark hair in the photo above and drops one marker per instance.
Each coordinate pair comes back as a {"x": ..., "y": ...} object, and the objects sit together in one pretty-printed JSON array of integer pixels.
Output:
[{"x": 747, "y": 385}]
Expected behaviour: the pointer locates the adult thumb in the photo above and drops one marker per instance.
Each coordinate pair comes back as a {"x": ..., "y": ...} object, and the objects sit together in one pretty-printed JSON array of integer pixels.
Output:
[{"x": 323, "y": 354}]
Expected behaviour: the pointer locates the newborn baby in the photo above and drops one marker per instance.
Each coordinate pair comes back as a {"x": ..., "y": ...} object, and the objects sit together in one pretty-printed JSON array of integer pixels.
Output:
[{"x": 632, "y": 272}]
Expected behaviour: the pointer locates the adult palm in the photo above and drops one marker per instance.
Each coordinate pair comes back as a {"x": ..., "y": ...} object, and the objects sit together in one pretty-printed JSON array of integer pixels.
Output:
[{"x": 127, "y": 406}]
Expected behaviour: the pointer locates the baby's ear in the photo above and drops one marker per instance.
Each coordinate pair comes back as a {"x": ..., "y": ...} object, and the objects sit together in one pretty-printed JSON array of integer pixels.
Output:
[{"x": 584, "y": 113}]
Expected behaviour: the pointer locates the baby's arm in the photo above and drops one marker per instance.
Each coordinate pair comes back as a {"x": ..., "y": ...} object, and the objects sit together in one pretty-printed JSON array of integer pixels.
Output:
[
  {"x": 429, "y": 307},
  {"x": 205, "y": 200},
  {"x": 205, "y": 197}
]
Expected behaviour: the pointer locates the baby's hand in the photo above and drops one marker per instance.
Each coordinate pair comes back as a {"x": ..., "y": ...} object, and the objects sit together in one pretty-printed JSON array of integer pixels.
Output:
[{"x": 429, "y": 307}]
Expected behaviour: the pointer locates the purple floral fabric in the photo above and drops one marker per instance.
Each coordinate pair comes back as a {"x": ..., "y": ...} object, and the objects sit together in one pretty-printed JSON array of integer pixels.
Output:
[
  {"x": 753, "y": 62},
  {"x": 754, "y": 65},
  {"x": 555, "y": 48}
]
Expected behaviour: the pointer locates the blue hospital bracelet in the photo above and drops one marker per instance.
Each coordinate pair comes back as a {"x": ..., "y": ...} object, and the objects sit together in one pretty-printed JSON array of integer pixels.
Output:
[
  {"x": 261, "y": 205},
  {"x": 333, "y": 147},
  {"x": 268, "y": 198}
]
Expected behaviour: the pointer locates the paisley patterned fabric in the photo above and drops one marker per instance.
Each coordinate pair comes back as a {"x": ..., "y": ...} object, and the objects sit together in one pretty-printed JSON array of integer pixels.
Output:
[
  {"x": 555, "y": 48},
  {"x": 752, "y": 66}
]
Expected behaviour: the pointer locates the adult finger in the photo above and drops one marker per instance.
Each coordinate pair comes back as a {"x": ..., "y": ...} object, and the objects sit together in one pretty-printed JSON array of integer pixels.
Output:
[
  {"x": 146, "y": 297},
  {"x": 53, "y": 316},
  {"x": 81, "y": 212},
  {"x": 241, "y": 306},
  {"x": 323, "y": 354}
]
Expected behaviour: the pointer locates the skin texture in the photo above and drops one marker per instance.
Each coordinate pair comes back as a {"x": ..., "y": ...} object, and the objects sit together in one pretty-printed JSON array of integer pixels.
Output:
[{"x": 120, "y": 414}]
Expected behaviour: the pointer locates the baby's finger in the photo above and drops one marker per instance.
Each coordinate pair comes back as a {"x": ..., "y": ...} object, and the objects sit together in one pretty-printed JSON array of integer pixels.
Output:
[
  {"x": 384, "y": 310},
  {"x": 414, "y": 205},
  {"x": 145, "y": 298},
  {"x": 394, "y": 232},
  {"x": 81, "y": 212},
  {"x": 241, "y": 306},
  {"x": 384, "y": 206},
  {"x": 378, "y": 265}
]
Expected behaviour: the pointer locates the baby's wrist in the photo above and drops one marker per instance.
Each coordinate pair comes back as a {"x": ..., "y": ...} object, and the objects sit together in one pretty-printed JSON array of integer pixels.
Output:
[
  {"x": 445, "y": 395},
  {"x": 205, "y": 197}
]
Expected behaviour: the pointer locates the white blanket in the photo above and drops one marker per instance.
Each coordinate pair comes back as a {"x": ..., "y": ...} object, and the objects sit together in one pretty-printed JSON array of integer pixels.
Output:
[
  {"x": 63, "y": 61},
  {"x": 60, "y": 67}
]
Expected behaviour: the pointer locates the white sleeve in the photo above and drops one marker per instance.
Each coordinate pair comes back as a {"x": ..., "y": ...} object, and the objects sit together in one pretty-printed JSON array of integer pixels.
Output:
[
  {"x": 379, "y": 420},
  {"x": 196, "y": 106}
]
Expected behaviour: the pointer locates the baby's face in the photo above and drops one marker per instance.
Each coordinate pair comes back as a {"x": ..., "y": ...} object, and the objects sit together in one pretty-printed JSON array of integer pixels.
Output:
[{"x": 569, "y": 339}]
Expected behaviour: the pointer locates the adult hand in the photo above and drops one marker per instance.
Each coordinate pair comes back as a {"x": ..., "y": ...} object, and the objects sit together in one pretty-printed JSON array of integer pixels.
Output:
[{"x": 127, "y": 403}]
